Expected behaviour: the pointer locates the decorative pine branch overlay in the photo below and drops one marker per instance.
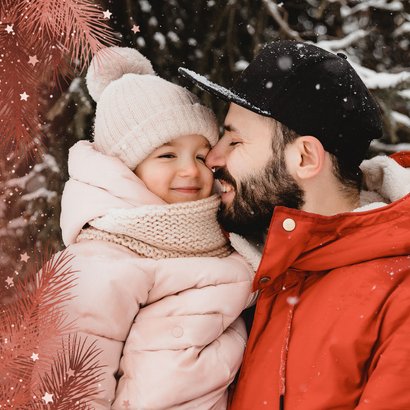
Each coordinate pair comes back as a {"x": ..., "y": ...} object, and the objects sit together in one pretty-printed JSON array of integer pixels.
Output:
[
  {"x": 41, "y": 42},
  {"x": 73, "y": 378},
  {"x": 42, "y": 363}
]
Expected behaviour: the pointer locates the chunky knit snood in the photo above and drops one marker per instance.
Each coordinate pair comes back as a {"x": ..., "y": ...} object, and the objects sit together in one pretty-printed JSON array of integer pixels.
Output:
[{"x": 184, "y": 229}]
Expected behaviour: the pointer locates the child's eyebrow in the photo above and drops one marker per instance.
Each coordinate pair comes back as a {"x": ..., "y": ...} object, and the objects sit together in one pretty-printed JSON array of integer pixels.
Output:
[{"x": 170, "y": 144}]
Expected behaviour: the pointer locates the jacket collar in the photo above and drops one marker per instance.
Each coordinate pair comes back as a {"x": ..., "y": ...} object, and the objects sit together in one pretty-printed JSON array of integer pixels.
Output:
[{"x": 302, "y": 241}]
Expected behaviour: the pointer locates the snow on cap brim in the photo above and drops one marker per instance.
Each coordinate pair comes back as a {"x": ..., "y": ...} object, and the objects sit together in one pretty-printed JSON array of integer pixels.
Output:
[{"x": 219, "y": 91}]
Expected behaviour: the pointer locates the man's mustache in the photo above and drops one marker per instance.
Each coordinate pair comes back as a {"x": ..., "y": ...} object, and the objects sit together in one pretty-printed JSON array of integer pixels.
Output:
[{"x": 223, "y": 173}]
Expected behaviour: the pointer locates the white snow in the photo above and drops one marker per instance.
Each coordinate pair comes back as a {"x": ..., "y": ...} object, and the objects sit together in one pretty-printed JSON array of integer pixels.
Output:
[
  {"x": 240, "y": 65},
  {"x": 153, "y": 21},
  {"x": 145, "y": 6},
  {"x": 49, "y": 162},
  {"x": 378, "y": 4},
  {"x": 173, "y": 36},
  {"x": 342, "y": 43},
  {"x": 141, "y": 42},
  {"x": 75, "y": 85},
  {"x": 204, "y": 82},
  {"x": 160, "y": 38},
  {"x": 404, "y": 94},
  {"x": 192, "y": 42},
  {"x": 403, "y": 29},
  {"x": 284, "y": 63},
  {"x": 3, "y": 208},
  {"x": 374, "y": 80},
  {"x": 371, "y": 78},
  {"x": 401, "y": 119},
  {"x": 15, "y": 223},
  {"x": 292, "y": 300},
  {"x": 251, "y": 29},
  {"x": 389, "y": 148},
  {"x": 41, "y": 192}
]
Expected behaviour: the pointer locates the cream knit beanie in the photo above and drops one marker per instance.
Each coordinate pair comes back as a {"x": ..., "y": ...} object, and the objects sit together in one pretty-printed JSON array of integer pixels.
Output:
[{"x": 138, "y": 111}]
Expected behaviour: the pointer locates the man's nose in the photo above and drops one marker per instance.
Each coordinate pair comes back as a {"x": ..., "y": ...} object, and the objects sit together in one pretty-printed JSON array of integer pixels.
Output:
[{"x": 216, "y": 156}]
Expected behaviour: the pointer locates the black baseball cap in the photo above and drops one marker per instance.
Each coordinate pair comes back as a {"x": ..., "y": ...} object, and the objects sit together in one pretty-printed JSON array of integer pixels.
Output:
[{"x": 310, "y": 90}]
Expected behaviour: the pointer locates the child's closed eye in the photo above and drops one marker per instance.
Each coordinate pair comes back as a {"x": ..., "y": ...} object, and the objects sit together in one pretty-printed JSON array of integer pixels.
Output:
[{"x": 168, "y": 155}]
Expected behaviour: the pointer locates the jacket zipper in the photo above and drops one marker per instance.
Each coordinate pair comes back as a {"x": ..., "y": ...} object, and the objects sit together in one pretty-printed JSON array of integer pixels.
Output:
[
  {"x": 285, "y": 348},
  {"x": 281, "y": 402}
]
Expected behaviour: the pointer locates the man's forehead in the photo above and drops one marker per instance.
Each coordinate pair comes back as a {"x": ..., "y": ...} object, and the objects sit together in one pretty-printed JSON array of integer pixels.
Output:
[{"x": 244, "y": 122}]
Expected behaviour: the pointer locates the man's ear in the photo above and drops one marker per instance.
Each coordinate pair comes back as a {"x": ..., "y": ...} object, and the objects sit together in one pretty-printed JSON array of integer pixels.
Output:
[{"x": 305, "y": 157}]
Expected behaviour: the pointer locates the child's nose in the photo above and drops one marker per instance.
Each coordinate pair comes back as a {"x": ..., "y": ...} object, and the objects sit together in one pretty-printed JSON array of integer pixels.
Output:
[{"x": 189, "y": 167}]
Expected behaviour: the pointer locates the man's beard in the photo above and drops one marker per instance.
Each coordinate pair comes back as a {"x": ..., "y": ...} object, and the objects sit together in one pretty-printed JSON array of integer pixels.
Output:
[{"x": 255, "y": 199}]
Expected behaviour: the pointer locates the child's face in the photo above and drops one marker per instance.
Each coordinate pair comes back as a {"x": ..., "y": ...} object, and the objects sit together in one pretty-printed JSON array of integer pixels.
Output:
[{"x": 176, "y": 171}]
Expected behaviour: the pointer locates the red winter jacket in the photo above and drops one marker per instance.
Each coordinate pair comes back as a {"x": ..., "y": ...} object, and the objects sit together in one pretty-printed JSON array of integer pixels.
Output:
[{"x": 332, "y": 321}]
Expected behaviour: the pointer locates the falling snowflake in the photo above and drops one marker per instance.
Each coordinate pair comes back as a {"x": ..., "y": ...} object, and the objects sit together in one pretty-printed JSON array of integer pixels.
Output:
[{"x": 292, "y": 300}]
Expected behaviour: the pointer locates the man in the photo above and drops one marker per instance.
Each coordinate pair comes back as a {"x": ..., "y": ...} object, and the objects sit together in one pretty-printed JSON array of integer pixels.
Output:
[{"x": 332, "y": 321}]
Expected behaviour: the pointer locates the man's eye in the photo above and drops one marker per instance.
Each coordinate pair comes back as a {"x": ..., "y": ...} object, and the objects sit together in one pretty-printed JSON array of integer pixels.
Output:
[
  {"x": 167, "y": 156},
  {"x": 201, "y": 158},
  {"x": 233, "y": 143}
]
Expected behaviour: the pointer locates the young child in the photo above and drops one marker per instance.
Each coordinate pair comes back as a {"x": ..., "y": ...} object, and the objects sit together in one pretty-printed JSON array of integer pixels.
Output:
[{"x": 158, "y": 285}]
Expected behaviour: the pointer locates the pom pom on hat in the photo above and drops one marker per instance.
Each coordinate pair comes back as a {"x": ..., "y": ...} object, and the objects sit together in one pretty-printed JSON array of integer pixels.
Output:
[{"x": 110, "y": 64}]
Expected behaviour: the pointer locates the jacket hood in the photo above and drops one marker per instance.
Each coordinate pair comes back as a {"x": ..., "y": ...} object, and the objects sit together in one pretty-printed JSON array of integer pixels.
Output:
[
  {"x": 321, "y": 243},
  {"x": 98, "y": 183},
  {"x": 385, "y": 179}
]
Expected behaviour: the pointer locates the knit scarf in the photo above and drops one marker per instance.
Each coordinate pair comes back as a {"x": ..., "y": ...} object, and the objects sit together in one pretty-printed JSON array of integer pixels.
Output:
[{"x": 184, "y": 229}]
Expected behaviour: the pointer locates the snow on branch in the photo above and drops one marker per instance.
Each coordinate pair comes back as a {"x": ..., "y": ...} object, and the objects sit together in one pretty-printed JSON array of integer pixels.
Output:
[
  {"x": 403, "y": 29},
  {"x": 40, "y": 192},
  {"x": 402, "y": 120},
  {"x": 49, "y": 162},
  {"x": 378, "y": 81},
  {"x": 273, "y": 9},
  {"x": 372, "y": 79},
  {"x": 377, "y": 4},
  {"x": 343, "y": 43},
  {"x": 404, "y": 94},
  {"x": 378, "y": 146}
]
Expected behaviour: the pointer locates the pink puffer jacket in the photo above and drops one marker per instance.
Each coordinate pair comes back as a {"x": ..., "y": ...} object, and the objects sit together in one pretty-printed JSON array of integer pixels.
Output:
[{"x": 169, "y": 326}]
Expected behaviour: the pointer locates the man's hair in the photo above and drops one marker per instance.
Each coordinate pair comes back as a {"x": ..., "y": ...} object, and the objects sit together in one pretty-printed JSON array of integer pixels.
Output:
[{"x": 349, "y": 176}]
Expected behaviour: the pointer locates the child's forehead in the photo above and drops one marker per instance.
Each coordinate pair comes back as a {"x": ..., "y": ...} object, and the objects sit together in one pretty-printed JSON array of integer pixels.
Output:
[{"x": 188, "y": 140}]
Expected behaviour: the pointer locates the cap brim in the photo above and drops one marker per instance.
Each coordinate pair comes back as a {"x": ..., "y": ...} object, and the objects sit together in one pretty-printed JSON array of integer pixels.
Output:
[{"x": 219, "y": 91}]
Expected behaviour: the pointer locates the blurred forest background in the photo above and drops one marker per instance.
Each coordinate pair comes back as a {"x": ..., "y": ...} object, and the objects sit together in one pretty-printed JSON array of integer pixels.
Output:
[{"x": 218, "y": 39}]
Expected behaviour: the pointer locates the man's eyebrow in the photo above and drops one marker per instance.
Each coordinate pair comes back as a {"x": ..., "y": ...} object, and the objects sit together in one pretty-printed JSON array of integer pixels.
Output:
[{"x": 230, "y": 128}]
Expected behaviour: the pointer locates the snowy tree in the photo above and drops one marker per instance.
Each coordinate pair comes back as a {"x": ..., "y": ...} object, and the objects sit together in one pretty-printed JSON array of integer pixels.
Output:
[{"x": 218, "y": 39}]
